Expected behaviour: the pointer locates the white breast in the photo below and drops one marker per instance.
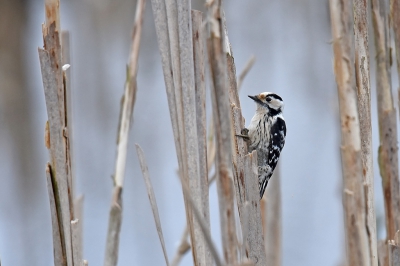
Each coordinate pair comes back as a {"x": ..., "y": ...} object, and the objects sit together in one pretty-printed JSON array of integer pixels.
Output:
[{"x": 258, "y": 131}]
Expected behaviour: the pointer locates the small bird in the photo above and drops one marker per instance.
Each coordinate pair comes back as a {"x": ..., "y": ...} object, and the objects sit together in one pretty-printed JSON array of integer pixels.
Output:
[{"x": 266, "y": 134}]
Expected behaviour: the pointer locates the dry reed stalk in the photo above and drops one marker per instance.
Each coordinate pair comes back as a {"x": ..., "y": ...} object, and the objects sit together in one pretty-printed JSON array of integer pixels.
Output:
[
  {"x": 200, "y": 219},
  {"x": 364, "y": 112},
  {"x": 165, "y": 20},
  {"x": 245, "y": 173},
  {"x": 255, "y": 249},
  {"x": 200, "y": 94},
  {"x": 174, "y": 30},
  {"x": 190, "y": 136},
  {"x": 161, "y": 25},
  {"x": 66, "y": 60},
  {"x": 152, "y": 198},
  {"x": 172, "y": 41},
  {"x": 272, "y": 219},
  {"x": 357, "y": 242},
  {"x": 388, "y": 156},
  {"x": 115, "y": 219},
  {"x": 76, "y": 203},
  {"x": 57, "y": 138},
  {"x": 222, "y": 127}
]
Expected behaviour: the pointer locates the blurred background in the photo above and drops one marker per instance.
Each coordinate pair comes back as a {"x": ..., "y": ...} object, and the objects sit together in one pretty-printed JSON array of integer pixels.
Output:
[{"x": 291, "y": 42}]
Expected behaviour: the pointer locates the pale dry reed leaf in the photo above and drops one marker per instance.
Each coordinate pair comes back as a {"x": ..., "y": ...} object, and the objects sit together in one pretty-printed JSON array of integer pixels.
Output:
[{"x": 152, "y": 198}]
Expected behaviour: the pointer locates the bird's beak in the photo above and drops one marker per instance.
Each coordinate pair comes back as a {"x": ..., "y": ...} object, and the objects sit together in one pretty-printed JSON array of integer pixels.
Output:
[{"x": 255, "y": 98}]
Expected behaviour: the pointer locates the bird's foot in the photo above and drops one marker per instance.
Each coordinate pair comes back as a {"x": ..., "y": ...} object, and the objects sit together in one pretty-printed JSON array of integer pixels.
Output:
[{"x": 244, "y": 133}]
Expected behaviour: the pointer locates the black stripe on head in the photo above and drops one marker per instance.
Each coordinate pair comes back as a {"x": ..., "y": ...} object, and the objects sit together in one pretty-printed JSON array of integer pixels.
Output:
[{"x": 276, "y": 96}]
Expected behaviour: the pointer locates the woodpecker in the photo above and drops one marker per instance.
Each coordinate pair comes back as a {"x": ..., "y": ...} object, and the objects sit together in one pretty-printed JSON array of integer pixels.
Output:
[{"x": 266, "y": 134}]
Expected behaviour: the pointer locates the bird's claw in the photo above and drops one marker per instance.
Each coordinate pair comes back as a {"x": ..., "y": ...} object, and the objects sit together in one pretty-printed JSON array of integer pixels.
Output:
[{"x": 244, "y": 133}]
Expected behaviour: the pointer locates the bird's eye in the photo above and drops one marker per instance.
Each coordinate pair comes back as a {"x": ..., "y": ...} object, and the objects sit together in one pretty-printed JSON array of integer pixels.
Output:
[{"x": 268, "y": 99}]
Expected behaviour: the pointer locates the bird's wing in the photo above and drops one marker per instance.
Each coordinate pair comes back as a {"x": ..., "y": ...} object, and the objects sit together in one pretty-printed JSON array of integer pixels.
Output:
[{"x": 276, "y": 143}]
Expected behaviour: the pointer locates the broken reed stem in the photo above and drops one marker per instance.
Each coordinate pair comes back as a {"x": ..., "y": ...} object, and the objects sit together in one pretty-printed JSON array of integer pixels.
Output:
[
  {"x": 152, "y": 198},
  {"x": 245, "y": 173},
  {"x": 115, "y": 219},
  {"x": 364, "y": 112},
  {"x": 273, "y": 219},
  {"x": 129, "y": 97},
  {"x": 58, "y": 172},
  {"x": 76, "y": 247},
  {"x": 249, "y": 64},
  {"x": 388, "y": 150},
  {"x": 222, "y": 127},
  {"x": 357, "y": 242}
]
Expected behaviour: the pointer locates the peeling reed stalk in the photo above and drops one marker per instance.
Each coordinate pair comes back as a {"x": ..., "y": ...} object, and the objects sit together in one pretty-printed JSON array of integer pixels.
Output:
[
  {"x": 58, "y": 171},
  {"x": 357, "y": 242},
  {"x": 115, "y": 219},
  {"x": 222, "y": 126}
]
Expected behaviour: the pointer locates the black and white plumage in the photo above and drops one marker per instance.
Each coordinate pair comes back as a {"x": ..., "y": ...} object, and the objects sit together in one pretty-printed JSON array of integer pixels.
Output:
[{"x": 266, "y": 134}]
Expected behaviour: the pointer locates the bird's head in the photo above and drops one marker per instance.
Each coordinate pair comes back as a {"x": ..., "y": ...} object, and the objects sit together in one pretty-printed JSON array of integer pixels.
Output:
[{"x": 270, "y": 101}]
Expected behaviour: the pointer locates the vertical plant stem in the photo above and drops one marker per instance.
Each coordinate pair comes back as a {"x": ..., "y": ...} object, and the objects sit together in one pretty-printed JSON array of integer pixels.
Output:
[
  {"x": 388, "y": 150},
  {"x": 200, "y": 94},
  {"x": 253, "y": 228},
  {"x": 364, "y": 112},
  {"x": 162, "y": 29},
  {"x": 357, "y": 242},
  {"x": 222, "y": 127},
  {"x": 76, "y": 248},
  {"x": 273, "y": 220},
  {"x": 245, "y": 175},
  {"x": 57, "y": 130},
  {"x": 115, "y": 219}
]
